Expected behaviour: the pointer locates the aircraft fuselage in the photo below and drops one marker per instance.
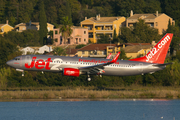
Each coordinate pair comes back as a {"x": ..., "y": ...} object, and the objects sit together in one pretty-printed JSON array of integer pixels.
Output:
[{"x": 58, "y": 63}]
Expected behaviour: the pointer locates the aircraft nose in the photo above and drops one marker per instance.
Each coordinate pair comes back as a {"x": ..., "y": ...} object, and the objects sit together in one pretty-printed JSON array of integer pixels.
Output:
[{"x": 8, "y": 63}]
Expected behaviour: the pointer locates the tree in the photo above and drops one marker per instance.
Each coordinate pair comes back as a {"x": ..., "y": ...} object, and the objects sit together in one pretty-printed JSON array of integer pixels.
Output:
[
  {"x": 152, "y": 6},
  {"x": 170, "y": 27},
  {"x": 115, "y": 37},
  {"x": 6, "y": 48},
  {"x": 104, "y": 38},
  {"x": 123, "y": 55},
  {"x": 68, "y": 10},
  {"x": 25, "y": 38},
  {"x": 139, "y": 33},
  {"x": 25, "y": 11},
  {"x": 80, "y": 46},
  {"x": 144, "y": 33},
  {"x": 171, "y": 8},
  {"x": 2, "y": 10},
  {"x": 59, "y": 51},
  {"x": 174, "y": 46},
  {"x": 66, "y": 28},
  {"x": 126, "y": 35},
  {"x": 43, "y": 24}
]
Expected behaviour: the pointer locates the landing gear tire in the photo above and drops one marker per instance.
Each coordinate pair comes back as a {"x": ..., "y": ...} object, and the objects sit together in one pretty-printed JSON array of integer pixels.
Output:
[
  {"x": 89, "y": 79},
  {"x": 23, "y": 73}
]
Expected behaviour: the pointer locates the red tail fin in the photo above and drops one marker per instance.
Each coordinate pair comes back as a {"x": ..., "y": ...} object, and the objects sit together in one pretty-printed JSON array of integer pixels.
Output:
[{"x": 158, "y": 53}]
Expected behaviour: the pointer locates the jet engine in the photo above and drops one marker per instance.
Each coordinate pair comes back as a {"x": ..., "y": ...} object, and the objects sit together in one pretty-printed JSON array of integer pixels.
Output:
[{"x": 71, "y": 72}]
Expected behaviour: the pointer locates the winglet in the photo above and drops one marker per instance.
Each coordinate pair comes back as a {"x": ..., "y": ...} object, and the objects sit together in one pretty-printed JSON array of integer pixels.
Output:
[
  {"x": 109, "y": 56},
  {"x": 115, "y": 58}
]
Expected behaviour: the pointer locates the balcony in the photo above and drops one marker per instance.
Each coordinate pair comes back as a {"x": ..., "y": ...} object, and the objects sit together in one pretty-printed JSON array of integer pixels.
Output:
[
  {"x": 103, "y": 28},
  {"x": 97, "y": 55}
]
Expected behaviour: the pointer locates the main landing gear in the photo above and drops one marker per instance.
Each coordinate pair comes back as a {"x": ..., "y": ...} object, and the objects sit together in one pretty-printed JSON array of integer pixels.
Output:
[{"x": 89, "y": 79}]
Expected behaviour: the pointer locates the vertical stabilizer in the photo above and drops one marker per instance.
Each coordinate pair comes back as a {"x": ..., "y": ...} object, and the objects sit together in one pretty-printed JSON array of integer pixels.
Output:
[{"x": 158, "y": 52}]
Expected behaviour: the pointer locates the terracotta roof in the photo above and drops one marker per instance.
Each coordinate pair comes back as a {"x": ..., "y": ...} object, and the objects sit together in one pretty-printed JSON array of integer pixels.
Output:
[
  {"x": 104, "y": 19},
  {"x": 95, "y": 47},
  {"x": 144, "y": 16},
  {"x": 136, "y": 48},
  {"x": 27, "y": 24},
  {"x": 132, "y": 44},
  {"x": 1, "y": 25},
  {"x": 71, "y": 51}
]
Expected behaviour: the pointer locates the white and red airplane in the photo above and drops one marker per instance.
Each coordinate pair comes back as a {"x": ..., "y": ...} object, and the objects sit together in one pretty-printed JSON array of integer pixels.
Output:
[{"x": 74, "y": 66}]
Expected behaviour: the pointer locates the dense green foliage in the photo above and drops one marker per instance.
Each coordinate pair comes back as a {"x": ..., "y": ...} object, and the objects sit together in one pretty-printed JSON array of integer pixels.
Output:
[
  {"x": 59, "y": 51},
  {"x": 103, "y": 38},
  {"x": 23, "y": 39},
  {"x": 140, "y": 33},
  {"x": 80, "y": 46},
  {"x": 42, "y": 24}
]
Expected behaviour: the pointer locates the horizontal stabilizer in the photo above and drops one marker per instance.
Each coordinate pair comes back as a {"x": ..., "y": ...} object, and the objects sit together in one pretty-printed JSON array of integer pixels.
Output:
[{"x": 158, "y": 65}]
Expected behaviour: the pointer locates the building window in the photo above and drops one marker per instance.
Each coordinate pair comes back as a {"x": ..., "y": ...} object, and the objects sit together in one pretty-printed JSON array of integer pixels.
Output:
[
  {"x": 56, "y": 40},
  {"x": 84, "y": 40},
  {"x": 84, "y": 32},
  {"x": 156, "y": 23},
  {"x": 76, "y": 40},
  {"x": 89, "y": 52},
  {"x": 56, "y": 32},
  {"x": 151, "y": 24},
  {"x": 83, "y": 52},
  {"x": 69, "y": 41},
  {"x": 79, "y": 39},
  {"x": 90, "y": 35}
]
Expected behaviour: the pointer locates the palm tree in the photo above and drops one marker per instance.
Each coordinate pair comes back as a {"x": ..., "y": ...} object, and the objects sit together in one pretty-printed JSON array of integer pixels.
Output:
[{"x": 66, "y": 29}]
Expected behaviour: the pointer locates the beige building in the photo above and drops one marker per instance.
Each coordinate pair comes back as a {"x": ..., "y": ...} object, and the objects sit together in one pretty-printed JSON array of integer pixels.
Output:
[
  {"x": 102, "y": 25},
  {"x": 137, "y": 50},
  {"x": 5, "y": 28},
  {"x": 156, "y": 20},
  {"x": 132, "y": 50},
  {"x": 94, "y": 50},
  {"x": 32, "y": 25}
]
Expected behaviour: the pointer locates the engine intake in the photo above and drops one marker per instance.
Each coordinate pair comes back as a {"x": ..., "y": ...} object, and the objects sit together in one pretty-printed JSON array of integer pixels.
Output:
[{"x": 71, "y": 72}]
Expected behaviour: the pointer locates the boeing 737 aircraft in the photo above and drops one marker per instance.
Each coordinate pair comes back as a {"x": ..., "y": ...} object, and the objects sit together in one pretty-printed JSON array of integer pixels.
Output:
[{"x": 74, "y": 66}]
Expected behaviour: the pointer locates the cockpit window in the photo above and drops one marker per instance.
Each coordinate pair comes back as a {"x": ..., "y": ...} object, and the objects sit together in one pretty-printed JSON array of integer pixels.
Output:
[{"x": 16, "y": 58}]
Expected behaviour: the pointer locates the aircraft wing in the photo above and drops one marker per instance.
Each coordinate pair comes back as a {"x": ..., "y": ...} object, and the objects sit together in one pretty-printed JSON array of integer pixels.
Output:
[
  {"x": 99, "y": 68},
  {"x": 109, "y": 56}
]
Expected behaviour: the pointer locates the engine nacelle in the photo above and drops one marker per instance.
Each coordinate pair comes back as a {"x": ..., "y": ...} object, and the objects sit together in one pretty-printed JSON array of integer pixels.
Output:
[{"x": 71, "y": 72}]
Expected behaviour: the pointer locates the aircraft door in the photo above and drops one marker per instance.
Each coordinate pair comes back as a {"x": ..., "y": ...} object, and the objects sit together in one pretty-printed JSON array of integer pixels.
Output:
[
  {"x": 28, "y": 60},
  {"x": 141, "y": 67},
  {"x": 21, "y": 61}
]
